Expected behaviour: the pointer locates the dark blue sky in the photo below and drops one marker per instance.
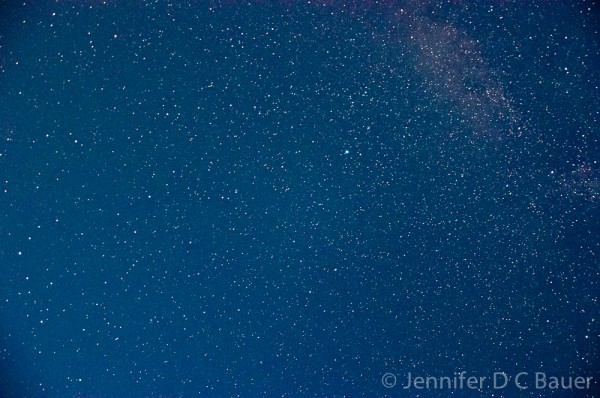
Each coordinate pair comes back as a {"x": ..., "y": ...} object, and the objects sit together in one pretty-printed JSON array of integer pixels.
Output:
[{"x": 288, "y": 199}]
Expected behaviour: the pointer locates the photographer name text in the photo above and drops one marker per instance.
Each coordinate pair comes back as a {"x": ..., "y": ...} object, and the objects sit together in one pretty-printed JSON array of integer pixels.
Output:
[{"x": 496, "y": 381}]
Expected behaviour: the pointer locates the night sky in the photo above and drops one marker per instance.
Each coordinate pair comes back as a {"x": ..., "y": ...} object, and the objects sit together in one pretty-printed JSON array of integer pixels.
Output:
[{"x": 293, "y": 198}]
